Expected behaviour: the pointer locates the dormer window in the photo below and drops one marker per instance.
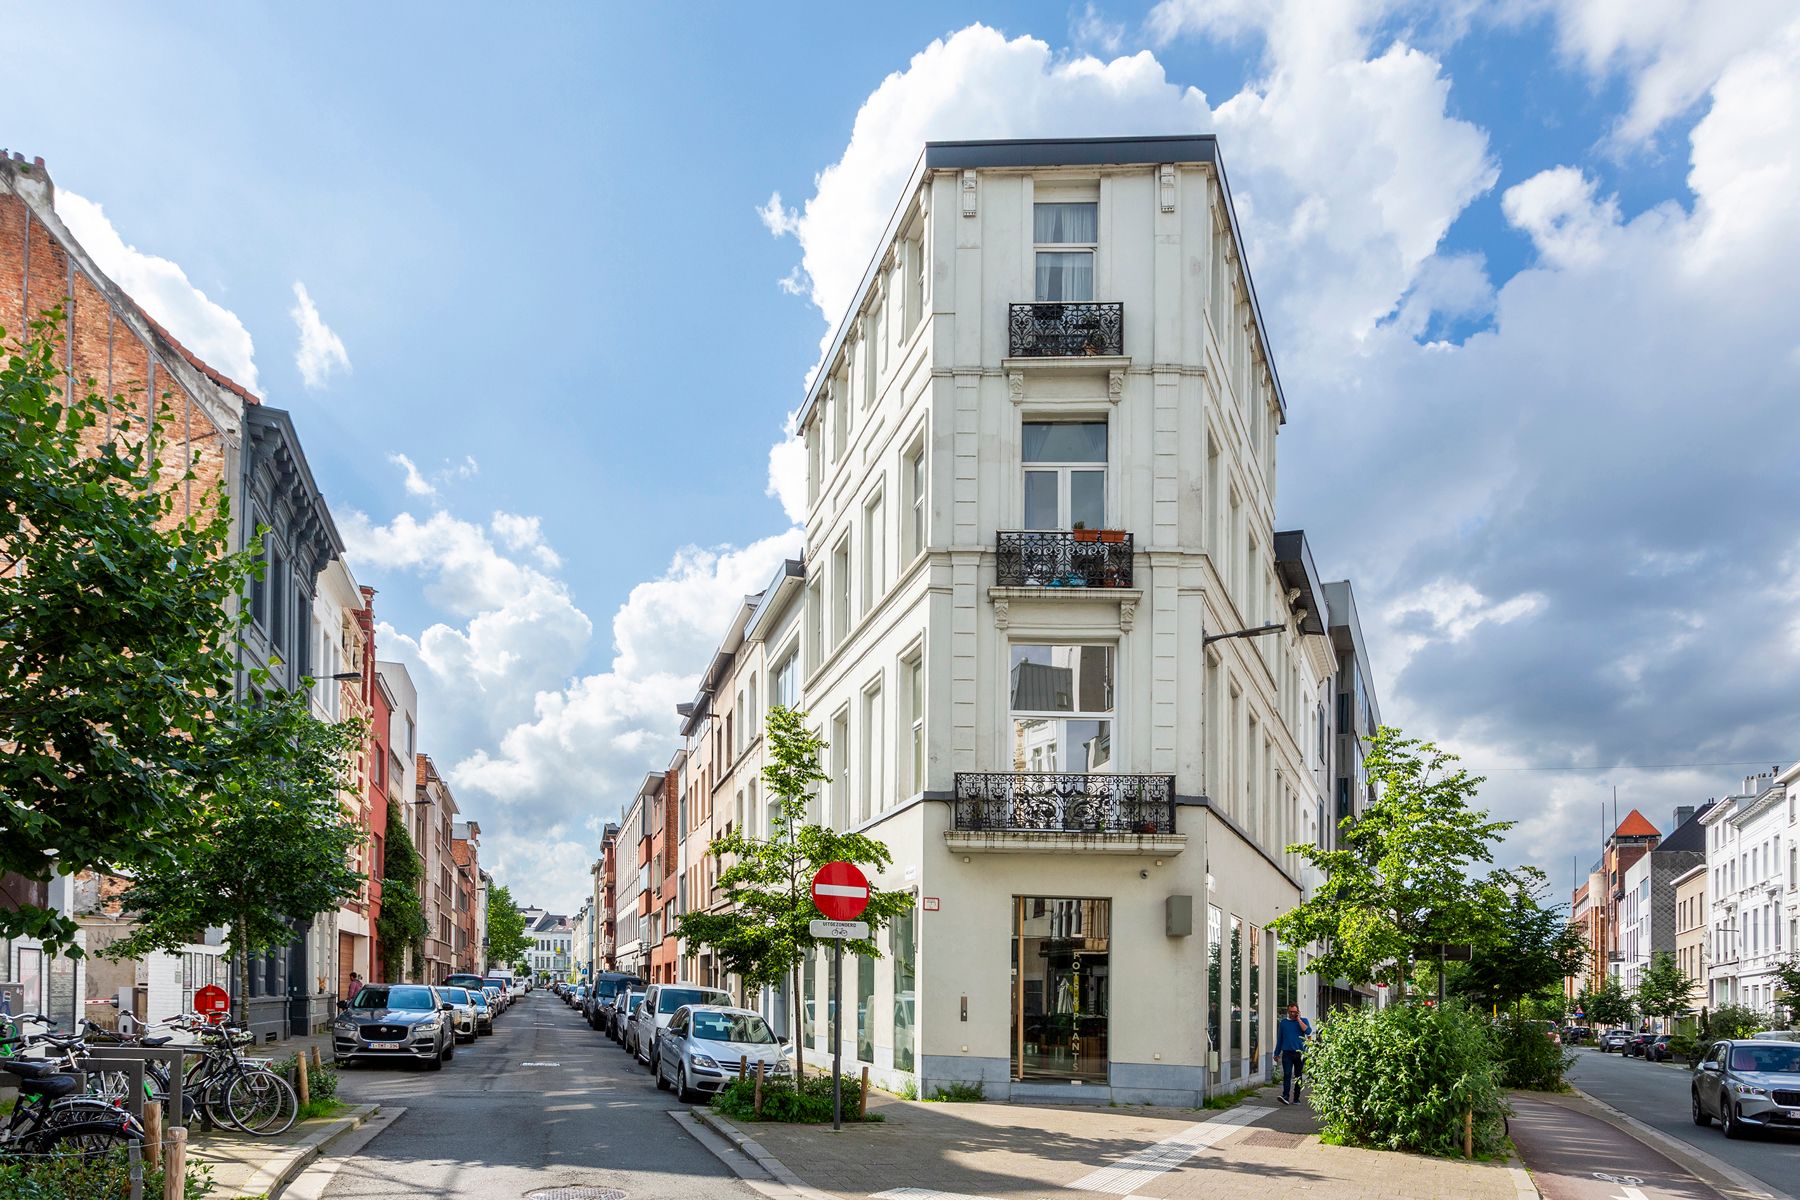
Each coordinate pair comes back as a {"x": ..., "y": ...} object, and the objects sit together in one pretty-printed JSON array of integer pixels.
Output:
[{"x": 1066, "y": 234}]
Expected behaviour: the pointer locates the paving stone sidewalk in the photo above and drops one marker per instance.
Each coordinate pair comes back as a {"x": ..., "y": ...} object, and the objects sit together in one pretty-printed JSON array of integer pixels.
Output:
[
  {"x": 245, "y": 1166},
  {"x": 1019, "y": 1152}
]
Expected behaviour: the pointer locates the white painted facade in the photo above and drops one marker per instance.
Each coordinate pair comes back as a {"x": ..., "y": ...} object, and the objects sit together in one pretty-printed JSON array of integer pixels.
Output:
[
  {"x": 915, "y": 656},
  {"x": 1789, "y": 782},
  {"x": 1635, "y": 917},
  {"x": 1747, "y": 858}
]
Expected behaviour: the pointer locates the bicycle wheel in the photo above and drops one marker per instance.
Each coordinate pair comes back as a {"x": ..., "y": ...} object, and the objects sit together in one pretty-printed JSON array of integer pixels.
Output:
[
  {"x": 261, "y": 1102},
  {"x": 89, "y": 1139}
]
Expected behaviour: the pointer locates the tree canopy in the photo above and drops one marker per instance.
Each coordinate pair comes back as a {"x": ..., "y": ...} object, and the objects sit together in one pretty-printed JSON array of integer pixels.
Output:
[
  {"x": 119, "y": 617},
  {"x": 401, "y": 925},
  {"x": 1664, "y": 990},
  {"x": 1401, "y": 884},
  {"x": 1530, "y": 950},
  {"x": 505, "y": 929}
]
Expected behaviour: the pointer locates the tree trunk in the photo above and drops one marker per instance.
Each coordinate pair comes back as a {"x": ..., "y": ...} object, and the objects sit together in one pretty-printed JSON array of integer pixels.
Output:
[
  {"x": 239, "y": 934},
  {"x": 799, "y": 1025}
]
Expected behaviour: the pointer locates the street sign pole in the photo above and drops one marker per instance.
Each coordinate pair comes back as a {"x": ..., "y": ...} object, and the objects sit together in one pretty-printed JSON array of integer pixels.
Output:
[{"x": 837, "y": 1035}]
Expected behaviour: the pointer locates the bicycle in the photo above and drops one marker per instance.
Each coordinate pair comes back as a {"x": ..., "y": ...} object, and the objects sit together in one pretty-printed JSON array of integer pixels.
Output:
[
  {"x": 234, "y": 1091},
  {"x": 50, "y": 1117}
]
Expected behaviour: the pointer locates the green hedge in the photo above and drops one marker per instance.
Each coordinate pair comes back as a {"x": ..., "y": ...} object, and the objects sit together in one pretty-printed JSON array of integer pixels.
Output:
[
  {"x": 1401, "y": 1078},
  {"x": 781, "y": 1101},
  {"x": 1528, "y": 1059},
  {"x": 89, "y": 1177}
]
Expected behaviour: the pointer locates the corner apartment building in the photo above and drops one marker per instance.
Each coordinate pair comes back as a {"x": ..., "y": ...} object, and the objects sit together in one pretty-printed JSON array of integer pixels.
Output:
[
  {"x": 1747, "y": 851},
  {"x": 1064, "y": 671}
]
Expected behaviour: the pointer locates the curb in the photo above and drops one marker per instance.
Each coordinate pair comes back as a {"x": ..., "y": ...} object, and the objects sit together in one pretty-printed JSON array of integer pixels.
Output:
[
  {"x": 274, "y": 1176},
  {"x": 1523, "y": 1185},
  {"x": 1694, "y": 1159},
  {"x": 754, "y": 1150}
]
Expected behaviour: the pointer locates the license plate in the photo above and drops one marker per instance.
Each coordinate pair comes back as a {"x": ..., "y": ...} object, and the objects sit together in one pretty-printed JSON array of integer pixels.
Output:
[{"x": 384, "y": 1045}]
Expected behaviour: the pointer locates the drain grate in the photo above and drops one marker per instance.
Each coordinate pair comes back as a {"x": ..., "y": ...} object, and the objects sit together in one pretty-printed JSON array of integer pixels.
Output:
[
  {"x": 1272, "y": 1139},
  {"x": 576, "y": 1193}
]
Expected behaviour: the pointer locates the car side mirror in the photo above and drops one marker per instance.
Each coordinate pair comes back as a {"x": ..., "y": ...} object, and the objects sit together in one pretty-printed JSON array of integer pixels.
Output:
[
  {"x": 1709, "y": 1065},
  {"x": 446, "y": 1006},
  {"x": 782, "y": 1038},
  {"x": 343, "y": 1006}
]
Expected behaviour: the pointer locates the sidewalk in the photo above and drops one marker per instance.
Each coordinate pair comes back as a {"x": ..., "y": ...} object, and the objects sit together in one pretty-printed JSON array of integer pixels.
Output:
[
  {"x": 245, "y": 1166},
  {"x": 1019, "y": 1152}
]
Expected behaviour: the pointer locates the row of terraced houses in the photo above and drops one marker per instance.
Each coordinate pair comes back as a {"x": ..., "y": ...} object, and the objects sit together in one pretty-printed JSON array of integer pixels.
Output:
[
  {"x": 309, "y": 618},
  {"x": 1068, "y": 667}
]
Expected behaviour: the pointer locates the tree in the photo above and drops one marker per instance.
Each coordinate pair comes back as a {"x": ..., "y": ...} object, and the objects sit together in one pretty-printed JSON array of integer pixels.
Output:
[
  {"x": 506, "y": 930},
  {"x": 269, "y": 842},
  {"x": 1400, "y": 884},
  {"x": 1608, "y": 1004},
  {"x": 1664, "y": 990},
  {"x": 1531, "y": 950},
  {"x": 119, "y": 618},
  {"x": 401, "y": 925},
  {"x": 1787, "y": 979},
  {"x": 763, "y": 936}
]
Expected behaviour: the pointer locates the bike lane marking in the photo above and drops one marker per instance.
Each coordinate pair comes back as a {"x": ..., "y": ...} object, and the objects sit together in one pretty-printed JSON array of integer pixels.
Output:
[{"x": 1574, "y": 1156}]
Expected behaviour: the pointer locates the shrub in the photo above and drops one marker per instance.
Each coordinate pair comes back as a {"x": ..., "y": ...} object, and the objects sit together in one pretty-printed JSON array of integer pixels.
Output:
[
  {"x": 90, "y": 1177},
  {"x": 1733, "y": 1021},
  {"x": 1687, "y": 1046},
  {"x": 1401, "y": 1078},
  {"x": 1527, "y": 1058},
  {"x": 321, "y": 1082},
  {"x": 810, "y": 1103},
  {"x": 960, "y": 1093}
]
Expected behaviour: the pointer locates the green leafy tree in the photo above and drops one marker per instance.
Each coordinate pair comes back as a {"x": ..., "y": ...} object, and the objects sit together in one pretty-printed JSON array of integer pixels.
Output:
[
  {"x": 506, "y": 931},
  {"x": 1664, "y": 990},
  {"x": 1787, "y": 980},
  {"x": 1608, "y": 1004},
  {"x": 1401, "y": 883},
  {"x": 763, "y": 935},
  {"x": 269, "y": 841},
  {"x": 401, "y": 925},
  {"x": 1531, "y": 948},
  {"x": 119, "y": 618}
]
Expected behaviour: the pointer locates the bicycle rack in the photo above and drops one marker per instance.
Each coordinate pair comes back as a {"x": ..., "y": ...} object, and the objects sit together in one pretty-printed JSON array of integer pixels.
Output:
[{"x": 133, "y": 1059}]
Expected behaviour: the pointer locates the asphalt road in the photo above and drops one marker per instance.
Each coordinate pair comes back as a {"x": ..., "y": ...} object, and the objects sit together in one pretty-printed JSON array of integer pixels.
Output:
[
  {"x": 544, "y": 1102},
  {"x": 1657, "y": 1094},
  {"x": 1574, "y": 1156}
]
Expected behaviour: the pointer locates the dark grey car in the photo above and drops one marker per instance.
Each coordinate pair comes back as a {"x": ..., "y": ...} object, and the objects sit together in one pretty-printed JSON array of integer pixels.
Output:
[
  {"x": 1748, "y": 1084},
  {"x": 406, "y": 1021}
]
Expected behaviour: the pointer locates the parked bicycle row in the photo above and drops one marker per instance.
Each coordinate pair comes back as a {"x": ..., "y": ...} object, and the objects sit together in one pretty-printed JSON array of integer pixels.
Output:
[
  {"x": 419, "y": 1023},
  {"x": 692, "y": 1038}
]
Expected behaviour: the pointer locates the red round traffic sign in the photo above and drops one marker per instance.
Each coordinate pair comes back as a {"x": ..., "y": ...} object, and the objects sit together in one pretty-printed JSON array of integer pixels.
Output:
[
  {"x": 840, "y": 891},
  {"x": 212, "y": 999}
]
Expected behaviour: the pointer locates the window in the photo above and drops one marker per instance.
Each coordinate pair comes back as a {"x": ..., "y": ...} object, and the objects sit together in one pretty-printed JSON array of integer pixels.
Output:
[
  {"x": 1062, "y": 707},
  {"x": 277, "y": 584},
  {"x": 840, "y": 770},
  {"x": 816, "y": 617},
  {"x": 1065, "y": 234},
  {"x": 914, "y": 672},
  {"x": 900, "y": 949},
  {"x": 840, "y": 599},
  {"x": 874, "y": 551},
  {"x": 871, "y": 759},
  {"x": 1065, "y": 474},
  {"x": 737, "y": 740},
  {"x": 915, "y": 475},
  {"x": 787, "y": 680}
]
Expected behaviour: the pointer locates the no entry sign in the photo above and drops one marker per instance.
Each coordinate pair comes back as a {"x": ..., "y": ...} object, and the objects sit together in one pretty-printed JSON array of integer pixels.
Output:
[
  {"x": 212, "y": 1000},
  {"x": 840, "y": 891}
]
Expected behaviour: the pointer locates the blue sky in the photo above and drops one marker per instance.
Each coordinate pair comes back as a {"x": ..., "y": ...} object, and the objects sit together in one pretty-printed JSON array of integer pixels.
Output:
[{"x": 538, "y": 240}]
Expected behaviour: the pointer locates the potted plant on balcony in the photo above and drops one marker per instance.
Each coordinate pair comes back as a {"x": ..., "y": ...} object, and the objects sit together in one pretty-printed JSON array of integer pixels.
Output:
[
  {"x": 1083, "y": 534},
  {"x": 1112, "y": 535}
]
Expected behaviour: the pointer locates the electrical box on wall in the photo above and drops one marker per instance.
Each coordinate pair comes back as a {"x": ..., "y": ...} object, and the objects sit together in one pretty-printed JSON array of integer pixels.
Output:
[{"x": 1178, "y": 916}]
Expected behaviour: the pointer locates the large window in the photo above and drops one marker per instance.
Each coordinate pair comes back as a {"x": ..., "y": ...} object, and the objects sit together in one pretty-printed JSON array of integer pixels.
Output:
[
  {"x": 840, "y": 770},
  {"x": 1062, "y": 707},
  {"x": 872, "y": 755},
  {"x": 1065, "y": 474},
  {"x": 915, "y": 475},
  {"x": 900, "y": 947},
  {"x": 865, "y": 1009},
  {"x": 1065, "y": 234},
  {"x": 913, "y": 670},
  {"x": 874, "y": 551},
  {"x": 840, "y": 585},
  {"x": 787, "y": 680},
  {"x": 1061, "y": 958}
]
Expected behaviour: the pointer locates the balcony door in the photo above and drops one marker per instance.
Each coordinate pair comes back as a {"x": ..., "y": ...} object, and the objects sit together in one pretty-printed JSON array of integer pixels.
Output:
[
  {"x": 1062, "y": 976},
  {"x": 1064, "y": 465}
]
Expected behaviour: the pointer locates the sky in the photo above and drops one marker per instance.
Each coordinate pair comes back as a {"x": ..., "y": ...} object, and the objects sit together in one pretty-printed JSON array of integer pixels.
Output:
[{"x": 541, "y": 287}]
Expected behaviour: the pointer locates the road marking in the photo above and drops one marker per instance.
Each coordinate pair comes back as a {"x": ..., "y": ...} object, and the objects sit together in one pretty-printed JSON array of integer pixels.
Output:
[
  {"x": 538, "y": 1064},
  {"x": 1139, "y": 1168},
  {"x": 912, "y": 1193}
]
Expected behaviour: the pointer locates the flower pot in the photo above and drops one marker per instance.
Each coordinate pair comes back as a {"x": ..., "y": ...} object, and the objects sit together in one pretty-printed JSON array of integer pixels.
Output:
[
  {"x": 1111, "y": 535},
  {"x": 1086, "y": 535}
]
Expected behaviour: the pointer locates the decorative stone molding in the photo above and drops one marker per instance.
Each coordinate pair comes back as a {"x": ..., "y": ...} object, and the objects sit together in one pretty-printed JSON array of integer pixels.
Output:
[
  {"x": 968, "y": 193},
  {"x": 1115, "y": 385},
  {"x": 1002, "y": 611},
  {"x": 1127, "y": 614},
  {"x": 1015, "y": 386}
]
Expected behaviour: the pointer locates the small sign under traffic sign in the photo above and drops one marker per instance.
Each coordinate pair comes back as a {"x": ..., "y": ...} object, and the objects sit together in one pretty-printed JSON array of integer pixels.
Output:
[{"x": 839, "y": 930}]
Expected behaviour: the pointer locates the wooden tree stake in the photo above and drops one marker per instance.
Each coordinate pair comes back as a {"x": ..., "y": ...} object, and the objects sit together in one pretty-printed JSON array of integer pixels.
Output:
[
  {"x": 759, "y": 1082},
  {"x": 175, "y": 1165}
]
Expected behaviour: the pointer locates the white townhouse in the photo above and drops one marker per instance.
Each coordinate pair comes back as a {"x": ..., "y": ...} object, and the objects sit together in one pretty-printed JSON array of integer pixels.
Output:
[
  {"x": 1747, "y": 849},
  {"x": 1067, "y": 669},
  {"x": 1789, "y": 780}
]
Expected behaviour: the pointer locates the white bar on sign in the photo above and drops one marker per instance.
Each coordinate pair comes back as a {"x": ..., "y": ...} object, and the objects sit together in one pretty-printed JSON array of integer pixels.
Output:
[
  {"x": 846, "y": 930},
  {"x": 838, "y": 889}
]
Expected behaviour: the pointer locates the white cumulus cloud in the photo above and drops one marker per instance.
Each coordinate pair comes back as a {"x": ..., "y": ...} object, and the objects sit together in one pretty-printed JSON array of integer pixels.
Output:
[{"x": 321, "y": 352}]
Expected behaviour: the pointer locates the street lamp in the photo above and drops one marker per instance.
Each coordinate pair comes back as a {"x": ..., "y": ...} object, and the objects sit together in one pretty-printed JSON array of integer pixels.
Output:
[{"x": 1255, "y": 631}]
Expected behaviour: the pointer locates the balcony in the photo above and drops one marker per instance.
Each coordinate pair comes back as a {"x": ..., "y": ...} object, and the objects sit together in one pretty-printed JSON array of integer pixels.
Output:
[
  {"x": 999, "y": 812},
  {"x": 1065, "y": 329},
  {"x": 1082, "y": 558}
]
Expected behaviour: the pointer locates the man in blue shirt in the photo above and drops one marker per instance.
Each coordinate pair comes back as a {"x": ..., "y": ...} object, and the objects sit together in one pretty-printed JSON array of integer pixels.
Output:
[{"x": 1290, "y": 1044}]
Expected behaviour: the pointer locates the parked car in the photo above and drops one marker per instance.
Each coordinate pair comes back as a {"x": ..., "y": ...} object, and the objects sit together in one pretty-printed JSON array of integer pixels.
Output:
[
  {"x": 505, "y": 993},
  {"x": 619, "y": 1015},
  {"x": 1777, "y": 1035},
  {"x": 410, "y": 1022},
  {"x": 1635, "y": 1044},
  {"x": 1748, "y": 1084},
  {"x": 652, "y": 1016},
  {"x": 496, "y": 1001},
  {"x": 1615, "y": 1039},
  {"x": 576, "y": 995},
  {"x": 704, "y": 1045},
  {"x": 1658, "y": 1049},
  {"x": 462, "y": 1010},
  {"x": 465, "y": 979},
  {"x": 484, "y": 1011},
  {"x": 606, "y": 987}
]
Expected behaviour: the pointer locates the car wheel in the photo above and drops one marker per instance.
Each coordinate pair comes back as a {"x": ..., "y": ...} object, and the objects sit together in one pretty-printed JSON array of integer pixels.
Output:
[
  {"x": 1729, "y": 1125},
  {"x": 449, "y": 1049},
  {"x": 1701, "y": 1117},
  {"x": 683, "y": 1092},
  {"x": 662, "y": 1081},
  {"x": 435, "y": 1063}
]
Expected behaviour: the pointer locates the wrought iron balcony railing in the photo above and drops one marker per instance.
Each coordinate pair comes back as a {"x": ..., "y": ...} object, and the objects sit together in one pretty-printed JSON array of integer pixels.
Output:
[
  {"x": 1065, "y": 329},
  {"x": 1059, "y": 558},
  {"x": 988, "y": 801}
]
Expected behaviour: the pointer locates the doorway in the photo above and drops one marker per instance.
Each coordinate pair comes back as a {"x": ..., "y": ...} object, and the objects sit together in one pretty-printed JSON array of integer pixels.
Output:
[{"x": 1061, "y": 966}]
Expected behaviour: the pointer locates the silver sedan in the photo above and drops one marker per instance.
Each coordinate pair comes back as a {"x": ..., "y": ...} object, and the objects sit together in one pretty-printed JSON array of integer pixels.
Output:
[{"x": 706, "y": 1045}]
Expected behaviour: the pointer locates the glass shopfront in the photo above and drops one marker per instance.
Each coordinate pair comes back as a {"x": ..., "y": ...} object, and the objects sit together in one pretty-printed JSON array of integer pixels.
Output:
[{"x": 1061, "y": 988}]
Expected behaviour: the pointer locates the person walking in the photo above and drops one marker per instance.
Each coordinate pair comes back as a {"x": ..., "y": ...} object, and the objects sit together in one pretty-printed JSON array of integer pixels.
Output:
[
  {"x": 1290, "y": 1044},
  {"x": 355, "y": 986}
]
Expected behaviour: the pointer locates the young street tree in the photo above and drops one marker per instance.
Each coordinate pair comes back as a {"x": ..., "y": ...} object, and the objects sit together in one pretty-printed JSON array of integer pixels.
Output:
[
  {"x": 768, "y": 881},
  {"x": 507, "y": 942},
  {"x": 1608, "y": 1004},
  {"x": 269, "y": 841},
  {"x": 1532, "y": 950},
  {"x": 1664, "y": 990},
  {"x": 117, "y": 614},
  {"x": 1401, "y": 884}
]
